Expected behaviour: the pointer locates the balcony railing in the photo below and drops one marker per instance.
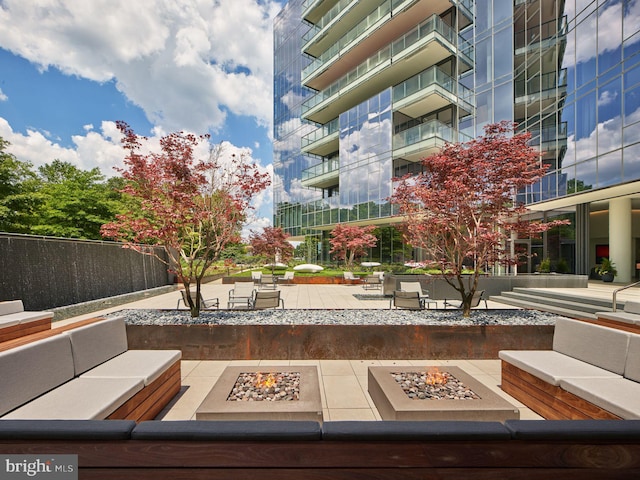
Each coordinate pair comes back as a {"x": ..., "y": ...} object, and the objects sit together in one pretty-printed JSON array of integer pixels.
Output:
[
  {"x": 330, "y": 166},
  {"x": 433, "y": 24},
  {"x": 321, "y": 132},
  {"x": 428, "y": 77},
  {"x": 349, "y": 37},
  {"x": 326, "y": 19},
  {"x": 422, "y": 132}
]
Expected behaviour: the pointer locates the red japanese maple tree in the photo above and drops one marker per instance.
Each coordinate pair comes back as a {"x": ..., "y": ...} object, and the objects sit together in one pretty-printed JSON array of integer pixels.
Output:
[
  {"x": 191, "y": 207},
  {"x": 350, "y": 243},
  {"x": 272, "y": 243},
  {"x": 462, "y": 209}
]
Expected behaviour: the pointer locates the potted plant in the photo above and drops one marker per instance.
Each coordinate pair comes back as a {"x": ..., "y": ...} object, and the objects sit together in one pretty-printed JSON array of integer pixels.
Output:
[{"x": 607, "y": 270}]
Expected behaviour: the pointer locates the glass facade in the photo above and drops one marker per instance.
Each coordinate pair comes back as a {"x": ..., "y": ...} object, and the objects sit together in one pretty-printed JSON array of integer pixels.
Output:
[{"x": 371, "y": 93}]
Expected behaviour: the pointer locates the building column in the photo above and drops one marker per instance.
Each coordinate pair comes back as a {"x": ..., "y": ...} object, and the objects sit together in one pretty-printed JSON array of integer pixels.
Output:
[
  {"x": 620, "y": 241},
  {"x": 582, "y": 239}
]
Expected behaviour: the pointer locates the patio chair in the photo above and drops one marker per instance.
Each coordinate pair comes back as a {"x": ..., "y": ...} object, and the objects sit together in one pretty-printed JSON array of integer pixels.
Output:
[
  {"x": 350, "y": 277},
  {"x": 256, "y": 277},
  {"x": 208, "y": 304},
  {"x": 262, "y": 300},
  {"x": 417, "y": 287},
  {"x": 478, "y": 297},
  {"x": 372, "y": 282},
  {"x": 241, "y": 295},
  {"x": 414, "y": 287},
  {"x": 408, "y": 300},
  {"x": 268, "y": 281},
  {"x": 287, "y": 279}
]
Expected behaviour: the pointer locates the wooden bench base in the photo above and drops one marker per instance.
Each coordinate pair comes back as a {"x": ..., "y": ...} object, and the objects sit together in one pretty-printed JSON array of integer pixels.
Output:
[
  {"x": 149, "y": 402},
  {"x": 24, "y": 329},
  {"x": 549, "y": 401}
]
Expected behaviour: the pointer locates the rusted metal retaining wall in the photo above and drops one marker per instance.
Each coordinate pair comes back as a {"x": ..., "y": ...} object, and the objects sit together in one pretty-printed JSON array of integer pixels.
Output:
[{"x": 366, "y": 342}]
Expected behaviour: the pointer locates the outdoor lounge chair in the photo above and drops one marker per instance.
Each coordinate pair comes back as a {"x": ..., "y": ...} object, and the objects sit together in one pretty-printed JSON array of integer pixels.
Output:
[
  {"x": 208, "y": 304},
  {"x": 372, "y": 282},
  {"x": 241, "y": 295},
  {"x": 350, "y": 277},
  {"x": 256, "y": 277},
  {"x": 417, "y": 287},
  {"x": 287, "y": 279},
  {"x": 262, "y": 300},
  {"x": 478, "y": 297},
  {"x": 268, "y": 281},
  {"x": 408, "y": 300}
]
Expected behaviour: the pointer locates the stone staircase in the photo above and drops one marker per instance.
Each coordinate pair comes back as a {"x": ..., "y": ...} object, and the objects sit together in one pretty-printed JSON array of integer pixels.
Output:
[{"x": 559, "y": 302}]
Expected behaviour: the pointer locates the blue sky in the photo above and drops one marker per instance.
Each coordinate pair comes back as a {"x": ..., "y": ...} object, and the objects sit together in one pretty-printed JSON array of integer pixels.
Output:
[{"x": 69, "y": 69}]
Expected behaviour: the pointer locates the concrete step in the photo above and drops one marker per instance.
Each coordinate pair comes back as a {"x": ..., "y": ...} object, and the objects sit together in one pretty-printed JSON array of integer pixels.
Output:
[
  {"x": 571, "y": 303},
  {"x": 602, "y": 304},
  {"x": 544, "y": 307}
]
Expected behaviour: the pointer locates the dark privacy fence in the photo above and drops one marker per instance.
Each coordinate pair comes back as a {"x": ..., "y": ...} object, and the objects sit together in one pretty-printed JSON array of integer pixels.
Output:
[{"x": 46, "y": 272}]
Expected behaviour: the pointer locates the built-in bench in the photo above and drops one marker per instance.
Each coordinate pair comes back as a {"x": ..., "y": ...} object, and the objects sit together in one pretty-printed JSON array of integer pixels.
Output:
[
  {"x": 523, "y": 449},
  {"x": 15, "y": 322},
  {"x": 87, "y": 373},
  {"x": 592, "y": 372},
  {"x": 629, "y": 318}
]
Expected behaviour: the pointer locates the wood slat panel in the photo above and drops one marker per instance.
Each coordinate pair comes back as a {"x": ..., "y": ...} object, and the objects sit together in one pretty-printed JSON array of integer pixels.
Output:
[
  {"x": 150, "y": 401},
  {"x": 24, "y": 329},
  {"x": 550, "y": 401}
]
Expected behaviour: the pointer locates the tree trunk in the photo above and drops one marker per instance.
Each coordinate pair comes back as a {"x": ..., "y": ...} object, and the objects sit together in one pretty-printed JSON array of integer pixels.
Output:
[{"x": 193, "y": 300}]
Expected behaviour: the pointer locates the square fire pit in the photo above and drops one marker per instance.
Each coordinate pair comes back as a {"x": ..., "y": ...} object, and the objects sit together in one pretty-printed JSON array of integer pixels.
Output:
[
  {"x": 435, "y": 393},
  {"x": 264, "y": 393}
]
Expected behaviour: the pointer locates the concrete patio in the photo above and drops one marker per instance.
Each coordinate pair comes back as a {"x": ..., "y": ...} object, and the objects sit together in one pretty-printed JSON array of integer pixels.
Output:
[{"x": 343, "y": 383}]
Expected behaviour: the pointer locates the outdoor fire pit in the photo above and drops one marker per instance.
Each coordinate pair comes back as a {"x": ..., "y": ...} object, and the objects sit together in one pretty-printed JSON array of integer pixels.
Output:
[
  {"x": 264, "y": 393},
  {"x": 435, "y": 393}
]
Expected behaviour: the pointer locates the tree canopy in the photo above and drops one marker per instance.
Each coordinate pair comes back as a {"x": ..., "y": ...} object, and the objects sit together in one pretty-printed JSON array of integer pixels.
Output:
[
  {"x": 193, "y": 206},
  {"x": 272, "y": 244},
  {"x": 350, "y": 243},
  {"x": 461, "y": 211}
]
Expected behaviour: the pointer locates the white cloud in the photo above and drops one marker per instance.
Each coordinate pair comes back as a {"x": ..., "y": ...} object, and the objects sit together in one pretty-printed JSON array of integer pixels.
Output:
[
  {"x": 3, "y": 97},
  {"x": 184, "y": 62},
  {"x": 607, "y": 97}
]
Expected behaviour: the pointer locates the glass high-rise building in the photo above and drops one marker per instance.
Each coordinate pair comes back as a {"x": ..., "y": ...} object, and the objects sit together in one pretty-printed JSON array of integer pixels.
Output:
[{"x": 365, "y": 89}]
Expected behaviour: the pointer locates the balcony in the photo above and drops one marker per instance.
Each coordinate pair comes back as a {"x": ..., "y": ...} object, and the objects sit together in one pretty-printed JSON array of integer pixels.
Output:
[
  {"x": 427, "y": 44},
  {"x": 431, "y": 90},
  {"x": 324, "y": 140},
  {"x": 547, "y": 32},
  {"x": 332, "y": 25},
  {"x": 372, "y": 33},
  {"x": 323, "y": 175},
  {"x": 423, "y": 140},
  {"x": 313, "y": 10}
]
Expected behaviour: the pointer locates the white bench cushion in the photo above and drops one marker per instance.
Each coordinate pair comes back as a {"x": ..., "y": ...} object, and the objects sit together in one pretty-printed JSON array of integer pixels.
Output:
[
  {"x": 11, "y": 306},
  {"x": 33, "y": 369},
  {"x": 600, "y": 346},
  {"x": 616, "y": 395},
  {"x": 632, "y": 307},
  {"x": 552, "y": 366},
  {"x": 26, "y": 317},
  {"x": 632, "y": 369},
  {"x": 8, "y": 322},
  {"x": 96, "y": 343},
  {"x": 624, "y": 317},
  {"x": 80, "y": 399},
  {"x": 147, "y": 365}
]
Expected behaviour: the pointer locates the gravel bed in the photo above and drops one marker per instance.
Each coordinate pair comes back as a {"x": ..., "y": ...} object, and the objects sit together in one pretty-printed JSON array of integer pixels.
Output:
[
  {"x": 417, "y": 386},
  {"x": 266, "y": 387},
  {"x": 338, "y": 317}
]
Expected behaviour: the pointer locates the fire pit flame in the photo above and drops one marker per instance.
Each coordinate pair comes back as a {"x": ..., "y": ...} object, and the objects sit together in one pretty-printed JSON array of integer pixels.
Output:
[
  {"x": 435, "y": 377},
  {"x": 268, "y": 382}
]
